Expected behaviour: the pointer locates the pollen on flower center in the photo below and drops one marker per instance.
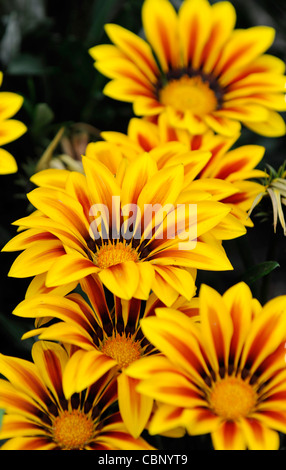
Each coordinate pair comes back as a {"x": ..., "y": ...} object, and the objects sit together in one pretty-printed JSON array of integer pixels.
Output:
[
  {"x": 124, "y": 350},
  {"x": 189, "y": 93},
  {"x": 112, "y": 254},
  {"x": 72, "y": 430},
  {"x": 232, "y": 398}
]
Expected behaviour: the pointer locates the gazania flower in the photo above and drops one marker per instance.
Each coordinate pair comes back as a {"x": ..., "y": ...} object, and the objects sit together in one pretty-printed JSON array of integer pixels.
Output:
[
  {"x": 39, "y": 417},
  {"x": 210, "y": 157},
  {"x": 273, "y": 187},
  {"x": 10, "y": 129},
  {"x": 107, "y": 339},
  {"x": 225, "y": 375},
  {"x": 68, "y": 240},
  {"x": 196, "y": 68}
]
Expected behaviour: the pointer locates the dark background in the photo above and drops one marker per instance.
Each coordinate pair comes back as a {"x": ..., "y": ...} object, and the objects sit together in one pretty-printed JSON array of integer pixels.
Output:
[{"x": 44, "y": 56}]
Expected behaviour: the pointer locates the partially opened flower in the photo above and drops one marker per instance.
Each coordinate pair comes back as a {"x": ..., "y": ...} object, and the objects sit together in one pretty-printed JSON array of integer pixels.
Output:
[
  {"x": 105, "y": 338},
  {"x": 39, "y": 417},
  {"x": 196, "y": 68},
  {"x": 136, "y": 230},
  {"x": 224, "y": 375},
  {"x": 211, "y": 156},
  {"x": 10, "y": 129},
  {"x": 273, "y": 186}
]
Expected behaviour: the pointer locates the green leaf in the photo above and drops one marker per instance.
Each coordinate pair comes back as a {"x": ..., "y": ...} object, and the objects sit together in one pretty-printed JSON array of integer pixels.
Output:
[
  {"x": 100, "y": 15},
  {"x": 26, "y": 64},
  {"x": 257, "y": 272}
]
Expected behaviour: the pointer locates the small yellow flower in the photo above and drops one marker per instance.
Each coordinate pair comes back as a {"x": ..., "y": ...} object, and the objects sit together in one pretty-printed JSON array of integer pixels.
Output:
[{"x": 10, "y": 129}]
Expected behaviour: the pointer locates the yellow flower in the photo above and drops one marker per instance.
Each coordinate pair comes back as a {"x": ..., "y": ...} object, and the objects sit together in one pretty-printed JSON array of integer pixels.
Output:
[
  {"x": 223, "y": 375},
  {"x": 39, "y": 417},
  {"x": 10, "y": 129},
  {"x": 151, "y": 250},
  {"x": 211, "y": 157},
  {"x": 105, "y": 338},
  {"x": 197, "y": 69}
]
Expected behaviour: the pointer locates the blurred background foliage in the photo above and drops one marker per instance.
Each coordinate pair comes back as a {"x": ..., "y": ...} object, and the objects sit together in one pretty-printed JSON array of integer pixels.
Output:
[{"x": 44, "y": 56}]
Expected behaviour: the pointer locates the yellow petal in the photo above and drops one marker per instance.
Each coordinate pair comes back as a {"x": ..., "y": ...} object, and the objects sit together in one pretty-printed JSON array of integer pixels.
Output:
[
  {"x": 223, "y": 18},
  {"x": 8, "y": 164},
  {"x": 229, "y": 436},
  {"x": 83, "y": 369},
  {"x": 121, "y": 279},
  {"x": 194, "y": 27},
  {"x": 167, "y": 418},
  {"x": 222, "y": 125},
  {"x": 259, "y": 436},
  {"x": 161, "y": 28},
  {"x": 273, "y": 127},
  {"x": 135, "y": 48},
  {"x": 37, "y": 259},
  {"x": 10, "y": 104},
  {"x": 61, "y": 207},
  {"x": 146, "y": 279},
  {"x": 217, "y": 327},
  {"x": 244, "y": 46},
  {"x": 179, "y": 279},
  {"x": 69, "y": 268},
  {"x": 11, "y": 130},
  {"x": 135, "y": 408},
  {"x": 51, "y": 178}
]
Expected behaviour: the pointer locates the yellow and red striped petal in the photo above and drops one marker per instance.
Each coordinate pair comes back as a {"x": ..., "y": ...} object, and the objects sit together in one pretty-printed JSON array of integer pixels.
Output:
[
  {"x": 217, "y": 327},
  {"x": 258, "y": 436},
  {"x": 29, "y": 443},
  {"x": 135, "y": 48},
  {"x": 121, "y": 279},
  {"x": 223, "y": 18},
  {"x": 200, "y": 420},
  {"x": 69, "y": 268},
  {"x": 83, "y": 369},
  {"x": 37, "y": 259},
  {"x": 167, "y": 418},
  {"x": 229, "y": 437},
  {"x": 238, "y": 302},
  {"x": 161, "y": 28},
  {"x": 194, "y": 17},
  {"x": 243, "y": 47}
]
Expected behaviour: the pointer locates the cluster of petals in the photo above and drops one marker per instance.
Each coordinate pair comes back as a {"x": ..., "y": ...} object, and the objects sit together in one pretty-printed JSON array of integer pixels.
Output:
[{"x": 125, "y": 343}]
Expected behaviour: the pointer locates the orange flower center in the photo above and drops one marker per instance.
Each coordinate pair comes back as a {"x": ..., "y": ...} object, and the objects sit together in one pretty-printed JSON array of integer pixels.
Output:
[
  {"x": 112, "y": 254},
  {"x": 189, "y": 94},
  {"x": 72, "y": 430},
  {"x": 232, "y": 398},
  {"x": 124, "y": 350}
]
